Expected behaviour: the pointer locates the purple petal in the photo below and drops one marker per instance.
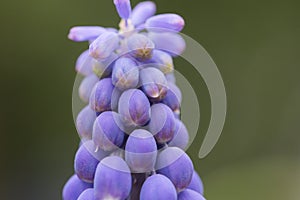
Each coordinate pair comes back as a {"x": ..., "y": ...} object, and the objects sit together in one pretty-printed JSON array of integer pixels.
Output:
[
  {"x": 84, "y": 64},
  {"x": 85, "y": 33},
  {"x": 142, "y": 12},
  {"x": 110, "y": 29},
  {"x": 123, "y": 8},
  {"x": 165, "y": 22}
]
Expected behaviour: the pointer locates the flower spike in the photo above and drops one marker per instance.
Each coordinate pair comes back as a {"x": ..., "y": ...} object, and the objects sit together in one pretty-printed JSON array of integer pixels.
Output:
[{"x": 132, "y": 137}]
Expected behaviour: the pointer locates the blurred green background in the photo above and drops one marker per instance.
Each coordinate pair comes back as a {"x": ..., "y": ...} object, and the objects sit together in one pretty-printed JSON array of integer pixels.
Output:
[{"x": 255, "y": 44}]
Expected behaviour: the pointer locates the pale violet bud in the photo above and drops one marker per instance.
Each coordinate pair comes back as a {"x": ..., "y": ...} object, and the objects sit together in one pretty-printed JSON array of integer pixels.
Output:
[
  {"x": 87, "y": 194},
  {"x": 101, "y": 96},
  {"x": 170, "y": 42},
  {"x": 171, "y": 78},
  {"x": 85, "y": 121},
  {"x": 112, "y": 179},
  {"x": 134, "y": 107},
  {"x": 165, "y": 22},
  {"x": 125, "y": 74},
  {"x": 142, "y": 11},
  {"x": 190, "y": 194},
  {"x": 181, "y": 136},
  {"x": 84, "y": 64},
  {"x": 104, "y": 45},
  {"x": 162, "y": 61},
  {"x": 196, "y": 183},
  {"x": 107, "y": 131},
  {"x": 110, "y": 29},
  {"x": 158, "y": 187},
  {"x": 173, "y": 98},
  {"x": 141, "y": 151},
  {"x": 74, "y": 187},
  {"x": 162, "y": 124},
  {"x": 103, "y": 68},
  {"x": 85, "y": 33},
  {"x": 140, "y": 47},
  {"x": 86, "y": 87},
  {"x": 175, "y": 164},
  {"x": 86, "y": 161},
  {"x": 154, "y": 83},
  {"x": 123, "y": 7}
]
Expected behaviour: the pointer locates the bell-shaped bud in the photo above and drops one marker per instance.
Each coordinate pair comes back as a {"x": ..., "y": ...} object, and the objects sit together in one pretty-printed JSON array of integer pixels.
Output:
[
  {"x": 104, "y": 45},
  {"x": 134, "y": 107},
  {"x": 112, "y": 179},
  {"x": 125, "y": 74},
  {"x": 175, "y": 164},
  {"x": 107, "y": 131},
  {"x": 162, "y": 123},
  {"x": 153, "y": 83},
  {"x": 140, "y": 47}
]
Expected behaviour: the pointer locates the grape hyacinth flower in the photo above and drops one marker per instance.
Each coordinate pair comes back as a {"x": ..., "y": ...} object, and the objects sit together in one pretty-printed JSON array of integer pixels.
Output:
[
  {"x": 125, "y": 74},
  {"x": 154, "y": 83},
  {"x": 87, "y": 194},
  {"x": 158, "y": 187},
  {"x": 162, "y": 123},
  {"x": 141, "y": 151},
  {"x": 84, "y": 122},
  {"x": 132, "y": 138},
  {"x": 134, "y": 107},
  {"x": 189, "y": 194}
]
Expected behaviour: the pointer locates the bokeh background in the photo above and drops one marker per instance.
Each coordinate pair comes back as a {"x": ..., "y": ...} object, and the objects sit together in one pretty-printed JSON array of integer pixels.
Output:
[{"x": 255, "y": 44}]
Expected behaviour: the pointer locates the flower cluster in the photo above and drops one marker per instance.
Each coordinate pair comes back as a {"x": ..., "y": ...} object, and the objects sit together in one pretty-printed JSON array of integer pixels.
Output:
[{"x": 133, "y": 140}]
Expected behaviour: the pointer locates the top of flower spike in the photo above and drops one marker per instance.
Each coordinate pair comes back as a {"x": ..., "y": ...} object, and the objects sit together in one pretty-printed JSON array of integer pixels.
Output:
[
  {"x": 123, "y": 7},
  {"x": 141, "y": 17}
]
